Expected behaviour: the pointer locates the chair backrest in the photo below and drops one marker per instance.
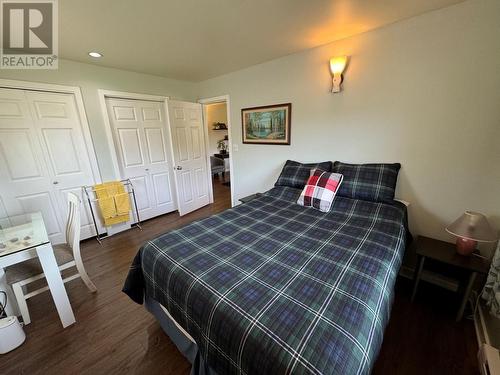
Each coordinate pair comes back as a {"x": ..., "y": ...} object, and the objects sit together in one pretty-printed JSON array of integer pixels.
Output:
[
  {"x": 73, "y": 223},
  {"x": 216, "y": 162}
]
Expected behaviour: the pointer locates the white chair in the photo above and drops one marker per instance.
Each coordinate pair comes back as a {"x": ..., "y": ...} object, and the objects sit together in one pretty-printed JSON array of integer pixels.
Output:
[{"x": 67, "y": 256}]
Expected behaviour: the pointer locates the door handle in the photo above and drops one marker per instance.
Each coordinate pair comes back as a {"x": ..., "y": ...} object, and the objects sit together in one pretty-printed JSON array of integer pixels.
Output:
[
  {"x": 147, "y": 169},
  {"x": 179, "y": 168},
  {"x": 55, "y": 182}
]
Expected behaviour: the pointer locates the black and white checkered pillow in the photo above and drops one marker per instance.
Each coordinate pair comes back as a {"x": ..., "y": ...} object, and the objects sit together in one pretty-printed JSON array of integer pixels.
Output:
[
  {"x": 295, "y": 174},
  {"x": 371, "y": 182}
]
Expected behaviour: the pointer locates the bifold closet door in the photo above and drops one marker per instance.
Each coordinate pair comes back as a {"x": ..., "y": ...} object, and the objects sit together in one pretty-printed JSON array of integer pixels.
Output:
[
  {"x": 143, "y": 150},
  {"x": 43, "y": 156}
]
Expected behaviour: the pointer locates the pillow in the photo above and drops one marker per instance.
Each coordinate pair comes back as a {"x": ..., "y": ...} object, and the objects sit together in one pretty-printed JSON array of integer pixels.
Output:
[
  {"x": 295, "y": 174},
  {"x": 320, "y": 190},
  {"x": 285, "y": 193},
  {"x": 371, "y": 182}
]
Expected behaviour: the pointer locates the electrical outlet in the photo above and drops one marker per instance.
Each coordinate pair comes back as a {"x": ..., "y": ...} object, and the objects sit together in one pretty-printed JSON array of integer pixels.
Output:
[{"x": 235, "y": 147}]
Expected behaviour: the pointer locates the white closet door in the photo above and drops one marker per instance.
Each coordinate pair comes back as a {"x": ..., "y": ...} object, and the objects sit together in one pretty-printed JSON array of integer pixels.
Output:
[
  {"x": 60, "y": 130},
  {"x": 139, "y": 134},
  {"x": 43, "y": 157},
  {"x": 189, "y": 155}
]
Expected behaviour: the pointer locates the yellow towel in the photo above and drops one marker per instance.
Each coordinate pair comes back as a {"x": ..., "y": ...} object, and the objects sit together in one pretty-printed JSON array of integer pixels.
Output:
[
  {"x": 122, "y": 203},
  {"x": 106, "y": 194},
  {"x": 107, "y": 206}
]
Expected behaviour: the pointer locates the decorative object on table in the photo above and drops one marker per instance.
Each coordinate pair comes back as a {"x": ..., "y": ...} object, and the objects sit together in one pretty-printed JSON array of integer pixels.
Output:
[
  {"x": 14, "y": 243},
  {"x": 491, "y": 291},
  {"x": 11, "y": 334},
  {"x": 267, "y": 125},
  {"x": 92, "y": 196},
  {"x": 337, "y": 67},
  {"x": 471, "y": 228},
  {"x": 444, "y": 253},
  {"x": 222, "y": 146},
  {"x": 219, "y": 126}
]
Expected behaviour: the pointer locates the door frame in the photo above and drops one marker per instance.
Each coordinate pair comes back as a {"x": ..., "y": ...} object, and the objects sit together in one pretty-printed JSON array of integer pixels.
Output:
[
  {"x": 103, "y": 94},
  {"x": 214, "y": 100},
  {"x": 63, "y": 89}
]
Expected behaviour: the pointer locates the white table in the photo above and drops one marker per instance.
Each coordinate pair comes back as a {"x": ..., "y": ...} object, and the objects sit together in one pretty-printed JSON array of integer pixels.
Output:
[{"x": 24, "y": 237}]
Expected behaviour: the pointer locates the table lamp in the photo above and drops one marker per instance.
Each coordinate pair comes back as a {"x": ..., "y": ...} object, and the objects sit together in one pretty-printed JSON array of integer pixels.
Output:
[{"x": 471, "y": 228}]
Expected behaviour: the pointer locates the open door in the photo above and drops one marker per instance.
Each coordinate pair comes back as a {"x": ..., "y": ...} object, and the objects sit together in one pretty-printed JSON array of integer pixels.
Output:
[{"x": 190, "y": 163}]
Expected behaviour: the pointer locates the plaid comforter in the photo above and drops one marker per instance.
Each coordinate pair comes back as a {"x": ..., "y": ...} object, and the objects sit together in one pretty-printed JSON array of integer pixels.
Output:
[{"x": 271, "y": 287}]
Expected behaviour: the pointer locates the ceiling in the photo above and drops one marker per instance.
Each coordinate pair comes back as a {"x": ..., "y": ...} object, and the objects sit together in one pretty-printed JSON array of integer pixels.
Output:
[{"x": 198, "y": 39}]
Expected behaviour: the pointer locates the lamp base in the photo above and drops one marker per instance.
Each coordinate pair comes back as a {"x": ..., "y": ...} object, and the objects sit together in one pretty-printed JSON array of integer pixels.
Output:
[{"x": 465, "y": 246}]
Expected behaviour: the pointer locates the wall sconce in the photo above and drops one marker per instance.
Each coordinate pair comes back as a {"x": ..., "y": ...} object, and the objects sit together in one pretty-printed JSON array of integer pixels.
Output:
[{"x": 337, "y": 66}]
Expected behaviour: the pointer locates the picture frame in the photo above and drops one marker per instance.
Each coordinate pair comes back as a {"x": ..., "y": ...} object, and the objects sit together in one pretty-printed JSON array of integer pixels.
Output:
[{"x": 267, "y": 125}]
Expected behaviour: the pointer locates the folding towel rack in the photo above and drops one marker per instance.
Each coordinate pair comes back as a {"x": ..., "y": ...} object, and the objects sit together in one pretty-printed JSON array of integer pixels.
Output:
[{"x": 89, "y": 190}]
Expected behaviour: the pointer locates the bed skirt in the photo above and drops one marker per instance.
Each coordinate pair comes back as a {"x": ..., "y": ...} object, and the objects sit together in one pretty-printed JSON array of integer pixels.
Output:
[{"x": 182, "y": 340}]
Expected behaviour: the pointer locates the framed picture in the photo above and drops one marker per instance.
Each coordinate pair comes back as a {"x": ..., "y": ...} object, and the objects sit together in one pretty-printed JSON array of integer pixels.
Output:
[{"x": 268, "y": 125}]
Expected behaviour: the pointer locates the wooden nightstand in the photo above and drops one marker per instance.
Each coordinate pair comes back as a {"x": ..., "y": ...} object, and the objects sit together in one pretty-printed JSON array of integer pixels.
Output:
[
  {"x": 445, "y": 252},
  {"x": 249, "y": 197}
]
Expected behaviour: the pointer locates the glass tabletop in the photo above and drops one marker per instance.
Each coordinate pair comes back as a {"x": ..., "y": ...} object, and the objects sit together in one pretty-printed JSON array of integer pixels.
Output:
[{"x": 22, "y": 232}]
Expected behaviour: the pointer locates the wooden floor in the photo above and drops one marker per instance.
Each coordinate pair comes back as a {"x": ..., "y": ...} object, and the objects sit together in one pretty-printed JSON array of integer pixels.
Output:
[{"x": 113, "y": 335}]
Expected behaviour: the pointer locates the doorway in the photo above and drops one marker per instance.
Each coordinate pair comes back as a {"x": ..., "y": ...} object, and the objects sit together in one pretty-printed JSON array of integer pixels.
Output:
[{"x": 217, "y": 136}]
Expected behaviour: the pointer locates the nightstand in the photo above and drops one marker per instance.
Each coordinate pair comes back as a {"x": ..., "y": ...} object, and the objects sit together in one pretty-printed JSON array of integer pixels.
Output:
[
  {"x": 249, "y": 197},
  {"x": 444, "y": 252}
]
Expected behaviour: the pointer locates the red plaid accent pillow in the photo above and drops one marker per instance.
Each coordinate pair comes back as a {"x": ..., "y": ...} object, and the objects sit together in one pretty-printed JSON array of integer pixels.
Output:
[{"x": 320, "y": 190}]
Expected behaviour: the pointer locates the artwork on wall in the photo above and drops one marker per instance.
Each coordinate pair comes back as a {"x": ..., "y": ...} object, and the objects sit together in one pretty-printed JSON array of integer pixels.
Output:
[{"x": 267, "y": 125}]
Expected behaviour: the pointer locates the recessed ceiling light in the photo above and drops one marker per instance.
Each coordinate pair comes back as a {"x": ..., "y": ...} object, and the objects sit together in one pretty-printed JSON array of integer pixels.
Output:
[{"x": 95, "y": 54}]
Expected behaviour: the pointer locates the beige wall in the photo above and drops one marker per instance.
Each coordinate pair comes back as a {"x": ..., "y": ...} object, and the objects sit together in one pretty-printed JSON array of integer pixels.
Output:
[
  {"x": 215, "y": 113},
  {"x": 424, "y": 92},
  {"x": 90, "y": 78}
]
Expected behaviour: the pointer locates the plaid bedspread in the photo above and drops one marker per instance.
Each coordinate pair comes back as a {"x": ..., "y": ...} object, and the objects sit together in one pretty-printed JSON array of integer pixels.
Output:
[{"x": 271, "y": 287}]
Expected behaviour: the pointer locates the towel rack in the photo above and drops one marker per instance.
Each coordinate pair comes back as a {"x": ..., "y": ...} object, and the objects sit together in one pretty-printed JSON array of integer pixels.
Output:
[{"x": 90, "y": 192}]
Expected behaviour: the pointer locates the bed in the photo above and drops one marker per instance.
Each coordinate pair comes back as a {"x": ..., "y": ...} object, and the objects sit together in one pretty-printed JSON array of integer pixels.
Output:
[{"x": 271, "y": 287}]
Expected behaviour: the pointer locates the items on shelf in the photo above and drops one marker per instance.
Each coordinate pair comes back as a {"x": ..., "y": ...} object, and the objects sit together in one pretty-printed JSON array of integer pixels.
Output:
[{"x": 219, "y": 126}]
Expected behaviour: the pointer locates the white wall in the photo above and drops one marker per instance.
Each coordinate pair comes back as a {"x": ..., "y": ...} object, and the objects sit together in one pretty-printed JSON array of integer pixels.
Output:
[
  {"x": 216, "y": 112},
  {"x": 424, "y": 92},
  {"x": 90, "y": 78}
]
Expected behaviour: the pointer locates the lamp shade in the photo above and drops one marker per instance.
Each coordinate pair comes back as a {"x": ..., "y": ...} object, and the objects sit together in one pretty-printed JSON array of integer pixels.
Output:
[
  {"x": 473, "y": 226},
  {"x": 337, "y": 64}
]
